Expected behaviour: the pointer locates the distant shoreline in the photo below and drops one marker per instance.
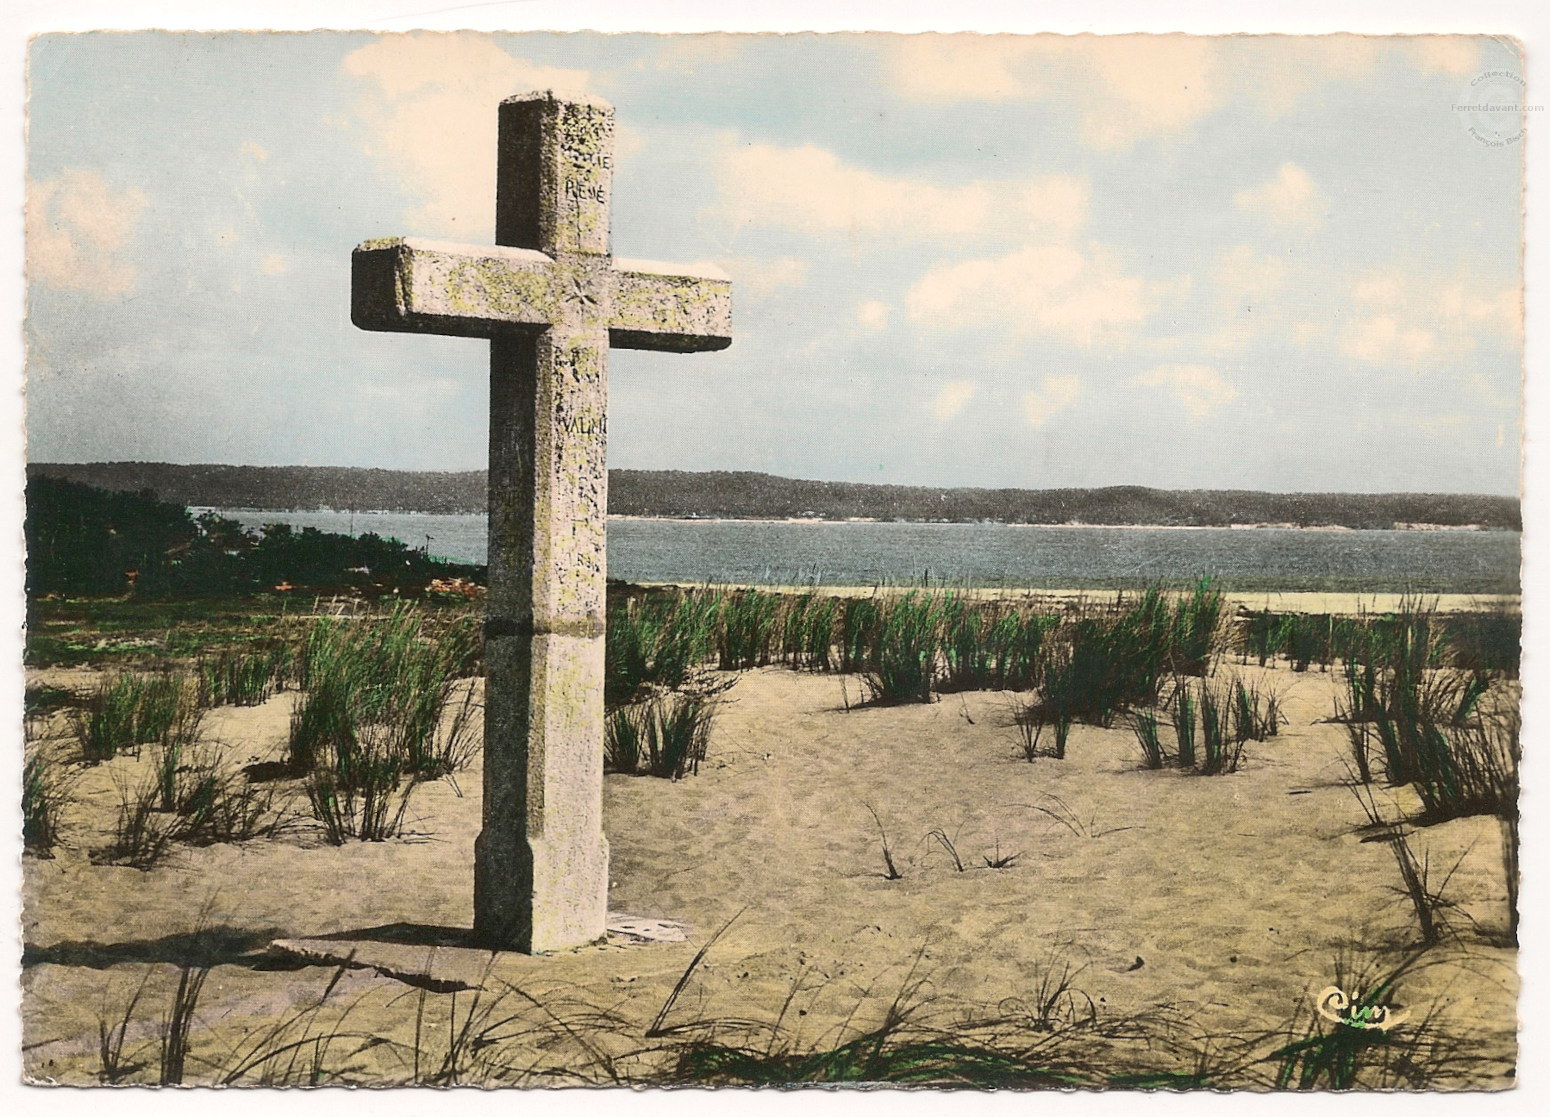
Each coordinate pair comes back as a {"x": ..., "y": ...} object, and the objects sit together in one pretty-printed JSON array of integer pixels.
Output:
[
  {"x": 819, "y": 521},
  {"x": 764, "y": 498}
]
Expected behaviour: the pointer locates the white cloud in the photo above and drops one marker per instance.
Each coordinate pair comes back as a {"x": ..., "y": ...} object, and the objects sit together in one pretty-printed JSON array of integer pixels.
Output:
[
  {"x": 813, "y": 190},
  {"x": 1245, "y": 276},
  {"x": 1290, "y": 198},
  {"x": 951, "y": 399},
  {"x": 1055, "y": 395},
  {"x": 1154, "y": 85},
  {"x": 1454, "y": 55},
  {"x": 1463, "y": 309},
  {"x": 968, "y": 67},
  {"x": 1121, "y": 87},
  {"x": 1249, "y": 296},
  {"x": 765, "y": 277},
  {"x": 872, "y": 315},
  {"x": 1200, "y": 388},
  {"x": 77, "y": 230},
  {"x": 1051, "y": 290},
  {"x": 428, "y": 102},
  {"x": 1382, "y": 340},
  {"x": 1403, "y": 317},
  {"x": 1273, "y": 72}
]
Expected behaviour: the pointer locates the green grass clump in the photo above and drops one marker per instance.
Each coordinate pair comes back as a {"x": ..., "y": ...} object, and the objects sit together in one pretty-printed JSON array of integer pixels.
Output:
[
  {"x": 1145, "y": 727},
  {"x": 370, "y": 722},
  {"x": 859, "y": 627},
  {"x": 130, "y": 710},
  {"x": 250, "y": 678},
  {"x": 1184, "y": 726},
  {"x": 107, "y": 721},
  {"x": 745, "y": 636},
  {"x": 807, "y": 632},
  {"x": 657, "y": 640},
  {"x": 821, "y": 620},
  {"x": 384, "y": 677},
  {"x": 361, "y": 790},
  {"x": 1428, "y": 721},
  {"x": 1118, "y": 662},
  {"x": 903, "y": 663},
  {"x": 1107, "y": 663},
  {"x": 1221, "y": 748},
  {"x": 46, "y": 786},
  {"x": 162, "y": 701},
  {"x": 1256, "y": 712},
  {"x": 666, "y": 736},
  {"x": 991, "y": 645},
  {"x": 1195, "y": 635},
  {"x": 1220, "y": 718},
  {"x": 1263, "y": 634},
  {"x": 968, "y": 657}
]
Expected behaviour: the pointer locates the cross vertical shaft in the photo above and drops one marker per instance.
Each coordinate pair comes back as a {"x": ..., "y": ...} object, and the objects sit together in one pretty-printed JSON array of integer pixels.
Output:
[{"x": 541, "y": 862}]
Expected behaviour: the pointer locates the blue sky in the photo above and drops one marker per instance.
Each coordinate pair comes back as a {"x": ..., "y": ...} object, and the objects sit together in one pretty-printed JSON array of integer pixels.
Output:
[{"x": 1253, "y": 262}]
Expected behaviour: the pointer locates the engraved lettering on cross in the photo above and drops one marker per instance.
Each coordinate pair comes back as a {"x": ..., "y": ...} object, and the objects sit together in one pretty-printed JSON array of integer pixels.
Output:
[{"x": 552, "y": 302}]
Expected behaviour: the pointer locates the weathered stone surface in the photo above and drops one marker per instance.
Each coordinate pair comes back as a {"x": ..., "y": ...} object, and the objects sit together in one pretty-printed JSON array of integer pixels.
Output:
[
  {"x": 552, "y": 302},
  {"x": 655, "y": 308},
  {"x": 411, "y": 285}
]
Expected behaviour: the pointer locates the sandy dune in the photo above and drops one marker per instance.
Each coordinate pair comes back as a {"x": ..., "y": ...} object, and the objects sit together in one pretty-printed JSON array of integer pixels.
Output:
[{"x": 1219, "y": 903}]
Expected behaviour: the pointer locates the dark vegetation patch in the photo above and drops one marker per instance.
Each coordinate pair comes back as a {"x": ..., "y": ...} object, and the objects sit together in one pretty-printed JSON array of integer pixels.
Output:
[{"x": 86, "y": 541}]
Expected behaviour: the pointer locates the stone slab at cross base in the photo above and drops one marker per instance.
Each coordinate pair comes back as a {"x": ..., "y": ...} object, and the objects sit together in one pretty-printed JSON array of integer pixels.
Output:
[{"x": 444, "y": 967}]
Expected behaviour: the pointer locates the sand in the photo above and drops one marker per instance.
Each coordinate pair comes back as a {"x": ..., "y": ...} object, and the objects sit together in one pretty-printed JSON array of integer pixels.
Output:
[{"x": 1218, "y": 905}]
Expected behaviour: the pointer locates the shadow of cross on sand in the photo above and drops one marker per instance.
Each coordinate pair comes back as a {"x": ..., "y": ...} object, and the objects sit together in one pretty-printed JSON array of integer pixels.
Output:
[{"x": 552, "y": 301}]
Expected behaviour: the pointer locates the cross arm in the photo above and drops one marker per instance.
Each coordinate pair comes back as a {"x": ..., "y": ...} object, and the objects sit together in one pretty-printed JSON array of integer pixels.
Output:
[
  {"x": 662, "y": 307},
  {"x": 408, "y": 285}
]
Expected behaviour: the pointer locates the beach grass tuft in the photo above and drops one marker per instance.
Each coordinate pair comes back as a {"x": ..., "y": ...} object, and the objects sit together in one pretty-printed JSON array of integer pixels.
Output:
[
  {"x": 360, "y": 789},
  {"x": 1436, "y": 726},
  {"x": 903, "y": 664},
  {"x": 245, "y": 678},
  {"x": 1145, "y": 728},
  {"x": 371, "y": 721},
  {"x": 658, "y": 640},
  {"x": 143, "y": 833},
  {"x": 666, "y": 736},
  {"x": 108, "y": 722},
  {"x": 745, "y": 634},
  {"x": 47, "y": 785}
]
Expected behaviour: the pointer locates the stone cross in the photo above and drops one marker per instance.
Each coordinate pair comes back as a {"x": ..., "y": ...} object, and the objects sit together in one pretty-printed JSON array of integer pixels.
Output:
[{"x": 552, "y": 301}]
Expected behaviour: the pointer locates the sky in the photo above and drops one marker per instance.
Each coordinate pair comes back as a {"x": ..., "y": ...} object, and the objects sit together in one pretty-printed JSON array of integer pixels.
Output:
[{"x": 1253, "y": 262}]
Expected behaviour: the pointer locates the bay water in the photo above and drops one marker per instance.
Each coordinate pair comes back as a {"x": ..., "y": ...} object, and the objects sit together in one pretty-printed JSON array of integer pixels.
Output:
[{"x": 762, "y": 552}]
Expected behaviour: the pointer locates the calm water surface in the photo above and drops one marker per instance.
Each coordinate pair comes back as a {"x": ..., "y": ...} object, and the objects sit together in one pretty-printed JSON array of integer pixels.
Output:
[{"x": 778, "y": 553}]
